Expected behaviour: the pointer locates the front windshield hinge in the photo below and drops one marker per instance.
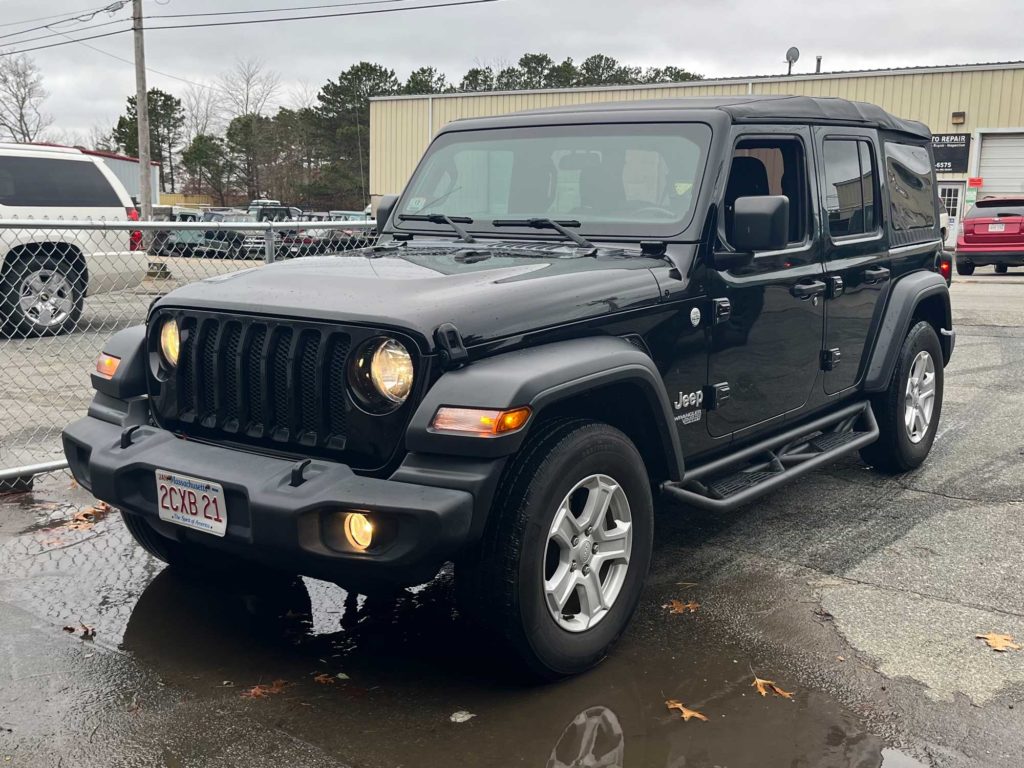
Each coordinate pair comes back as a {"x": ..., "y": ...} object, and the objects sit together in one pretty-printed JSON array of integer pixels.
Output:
[
  {"x": 453, "y": 351},
  {"x": 654, "y": 248}
]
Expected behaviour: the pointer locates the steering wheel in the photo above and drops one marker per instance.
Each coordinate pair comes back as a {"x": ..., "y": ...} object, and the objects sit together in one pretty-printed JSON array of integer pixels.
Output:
[{"x": 656, "y": 209}]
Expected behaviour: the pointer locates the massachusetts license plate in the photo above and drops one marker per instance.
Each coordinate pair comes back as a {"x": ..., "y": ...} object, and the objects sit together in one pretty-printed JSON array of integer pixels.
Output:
[
  {"x": 191, "y": 502},
  {"x": 997, "y": 227}
]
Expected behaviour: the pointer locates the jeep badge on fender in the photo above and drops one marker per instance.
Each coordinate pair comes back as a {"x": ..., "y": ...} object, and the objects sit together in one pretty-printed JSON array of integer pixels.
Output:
[{"x": 486, "y": 385}]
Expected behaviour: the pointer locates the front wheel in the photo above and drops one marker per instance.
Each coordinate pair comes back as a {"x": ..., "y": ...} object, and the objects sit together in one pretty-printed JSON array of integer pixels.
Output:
[
  {"x": 908, "y": 411},
  {"x": 567, "y": 547},
  {"x": 1002, "y": 269}
]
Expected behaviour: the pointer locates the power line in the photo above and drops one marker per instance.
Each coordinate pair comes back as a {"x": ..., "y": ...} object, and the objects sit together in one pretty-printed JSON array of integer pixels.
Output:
[
  {"x": 324, "y": 15},
  {"x": 44, "y": 18},
  {"x": 148, "y": 69},
  {"x": 58, "y": 33},
  {"x": 117, "y": 5},
  {"x": 67, "y": 42},
  {"x": 274, "y": 10},
  {"x": 254, "y": 21}
]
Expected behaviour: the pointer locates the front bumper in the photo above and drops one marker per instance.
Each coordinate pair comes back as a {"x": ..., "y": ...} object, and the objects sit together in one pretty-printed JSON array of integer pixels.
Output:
[{"x": 269, "y": 520}]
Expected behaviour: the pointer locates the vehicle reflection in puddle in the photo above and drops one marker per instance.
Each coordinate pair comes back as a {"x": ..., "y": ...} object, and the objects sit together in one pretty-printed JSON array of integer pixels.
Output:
[{"x": 393, "y": 670}]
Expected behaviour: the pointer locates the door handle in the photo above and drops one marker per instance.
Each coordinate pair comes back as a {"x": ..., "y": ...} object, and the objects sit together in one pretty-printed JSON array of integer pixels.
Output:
[
  {"x": 807, "y": 290},
  {"x": 872, "y": 276}
]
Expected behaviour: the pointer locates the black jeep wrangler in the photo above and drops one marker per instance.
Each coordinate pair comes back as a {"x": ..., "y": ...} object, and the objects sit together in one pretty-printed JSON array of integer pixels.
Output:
[{"x": 568, "y": 312}]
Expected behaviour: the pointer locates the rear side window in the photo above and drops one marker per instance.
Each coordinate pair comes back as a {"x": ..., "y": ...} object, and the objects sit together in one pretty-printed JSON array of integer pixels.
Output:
[
  {"x": 850, "y": 184},
  {"x": 911, "y": 193},
  {"x": 991, "y": 209},
  {"x": 45, "y": 182}
]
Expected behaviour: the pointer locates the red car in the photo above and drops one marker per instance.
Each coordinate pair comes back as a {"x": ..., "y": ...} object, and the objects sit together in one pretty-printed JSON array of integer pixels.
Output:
[{"x": 992, "y": 233}]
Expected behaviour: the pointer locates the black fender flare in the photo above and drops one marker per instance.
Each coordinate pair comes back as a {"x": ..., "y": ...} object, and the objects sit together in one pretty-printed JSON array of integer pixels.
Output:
[
  {"x": 539, "y": 377},
  {"x": 128, "y": 345},
  {"x": 905, "y": 297}
]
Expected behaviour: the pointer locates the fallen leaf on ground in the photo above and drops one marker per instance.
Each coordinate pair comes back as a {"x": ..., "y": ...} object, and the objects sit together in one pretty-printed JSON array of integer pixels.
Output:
[
  {"x": 764, "y": 686},
  {"x": 678, "y": 606},
  {"x": 324, "y": 679},
  {"x": 461, "y": 716},
  {"x": 263, "y": 691},
  {"x": 88, "y": 633},
  {"x": 998, "y": 642},
  {"x": 684, "y": 712}
]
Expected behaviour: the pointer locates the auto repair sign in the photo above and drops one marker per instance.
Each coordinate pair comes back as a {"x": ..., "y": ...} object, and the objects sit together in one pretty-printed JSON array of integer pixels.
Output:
[{"x": 951, "y": 151}]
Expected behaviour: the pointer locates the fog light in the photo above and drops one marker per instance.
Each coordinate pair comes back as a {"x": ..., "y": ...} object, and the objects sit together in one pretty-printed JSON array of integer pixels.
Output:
[
  {"x": 358, "y": 530},
  {"x": 106, "y": 365}
]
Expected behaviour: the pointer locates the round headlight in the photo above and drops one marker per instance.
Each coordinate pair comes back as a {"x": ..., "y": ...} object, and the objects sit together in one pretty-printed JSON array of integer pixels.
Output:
[
  {"x": 391, "y": 371},
  {"x": 170, "y": 342}
]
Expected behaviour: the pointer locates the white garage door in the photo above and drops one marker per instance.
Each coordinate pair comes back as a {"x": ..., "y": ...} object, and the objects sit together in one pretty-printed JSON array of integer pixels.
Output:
[{"x": 1002, "y": 164}]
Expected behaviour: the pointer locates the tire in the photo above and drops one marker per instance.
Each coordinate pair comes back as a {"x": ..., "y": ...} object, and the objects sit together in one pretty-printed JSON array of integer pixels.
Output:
[
  {"x": 900, "y": 447},
  {"x": 41, "y": 295},
  {"x": 502, "y": 585},
  {"x": 1002, "y": 269},
  {"x": 965, "y": 269}
]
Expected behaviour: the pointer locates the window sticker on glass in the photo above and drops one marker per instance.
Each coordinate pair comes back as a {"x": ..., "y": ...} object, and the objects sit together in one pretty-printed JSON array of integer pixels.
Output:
[
  {"x": 417, "y": 203},
  {"x": 682, "y": 187}
]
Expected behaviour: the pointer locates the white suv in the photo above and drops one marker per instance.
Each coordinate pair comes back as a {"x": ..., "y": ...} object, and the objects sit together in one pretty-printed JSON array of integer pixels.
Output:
[{"x": 46, "y": 272}]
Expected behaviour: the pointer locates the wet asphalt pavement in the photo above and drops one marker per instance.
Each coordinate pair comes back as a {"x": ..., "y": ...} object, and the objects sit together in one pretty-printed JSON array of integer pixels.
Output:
[{"x": 859, "y": 593}]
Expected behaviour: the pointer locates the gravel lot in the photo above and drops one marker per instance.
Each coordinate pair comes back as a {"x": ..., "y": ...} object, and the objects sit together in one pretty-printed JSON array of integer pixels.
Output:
[{"x": 862, "y": 593}]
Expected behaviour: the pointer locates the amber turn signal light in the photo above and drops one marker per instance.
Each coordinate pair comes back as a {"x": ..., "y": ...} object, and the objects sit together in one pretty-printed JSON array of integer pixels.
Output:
[
  {"x": 106, "y": 365},
  {"x": 479, "y": 421}
]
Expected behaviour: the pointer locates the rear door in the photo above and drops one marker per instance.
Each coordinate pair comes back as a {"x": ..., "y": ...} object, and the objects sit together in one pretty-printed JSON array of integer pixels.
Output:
[{"x": 856, "y": 247}]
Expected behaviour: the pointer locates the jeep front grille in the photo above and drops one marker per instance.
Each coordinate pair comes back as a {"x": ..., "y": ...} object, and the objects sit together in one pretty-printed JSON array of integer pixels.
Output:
[{"x": 277, "y": 383}]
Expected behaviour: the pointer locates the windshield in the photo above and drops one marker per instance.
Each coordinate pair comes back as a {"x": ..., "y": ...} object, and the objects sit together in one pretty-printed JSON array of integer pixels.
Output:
[{"x": 616, "y": 180}]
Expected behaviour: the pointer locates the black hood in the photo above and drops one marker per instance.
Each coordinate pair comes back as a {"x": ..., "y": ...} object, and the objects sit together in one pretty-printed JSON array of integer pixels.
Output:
[{"x": 487, "y": 292}]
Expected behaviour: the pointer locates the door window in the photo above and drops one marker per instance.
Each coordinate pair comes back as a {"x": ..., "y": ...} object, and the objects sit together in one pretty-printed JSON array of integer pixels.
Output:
[
  {"x": 909, "y": 169},
  {"x": 770, "y": 167},
  {"x": 850, "y": 187}
]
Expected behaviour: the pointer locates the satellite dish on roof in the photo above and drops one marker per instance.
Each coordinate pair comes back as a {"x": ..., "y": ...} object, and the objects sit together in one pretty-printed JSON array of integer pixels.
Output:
[{"x": 792, "y": 55}]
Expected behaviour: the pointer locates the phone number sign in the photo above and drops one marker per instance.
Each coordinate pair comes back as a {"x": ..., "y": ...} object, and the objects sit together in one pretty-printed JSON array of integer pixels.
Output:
[{"x": 951, "y": 152}]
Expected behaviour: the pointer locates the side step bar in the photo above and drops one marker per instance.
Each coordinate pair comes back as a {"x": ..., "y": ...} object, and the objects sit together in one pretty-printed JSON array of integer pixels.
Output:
[{"x": 733, "y": 480}]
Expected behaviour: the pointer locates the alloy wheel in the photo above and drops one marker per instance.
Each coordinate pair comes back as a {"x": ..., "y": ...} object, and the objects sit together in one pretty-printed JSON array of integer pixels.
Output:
[
  {"x": 588, "y": 550},
  {"x": 46, "y": 298},
  {"x": 919, "y": 401}
]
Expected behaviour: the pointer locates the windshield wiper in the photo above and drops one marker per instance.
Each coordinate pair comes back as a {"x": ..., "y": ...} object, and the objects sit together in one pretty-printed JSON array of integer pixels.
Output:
[
  {"x": 440, "y": 218},
  {"x": 542, "y": 223}
]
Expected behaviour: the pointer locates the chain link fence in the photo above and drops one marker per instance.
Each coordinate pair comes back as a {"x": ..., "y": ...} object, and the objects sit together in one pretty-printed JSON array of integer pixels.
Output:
[{"x": 67, "y": 286}]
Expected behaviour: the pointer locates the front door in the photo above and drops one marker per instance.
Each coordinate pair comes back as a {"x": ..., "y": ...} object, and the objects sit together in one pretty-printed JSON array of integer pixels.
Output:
[
  {"x": 768, "y": 350},
  {"x": 856, "y": 248},
  {"x": 951, "y": 195}
]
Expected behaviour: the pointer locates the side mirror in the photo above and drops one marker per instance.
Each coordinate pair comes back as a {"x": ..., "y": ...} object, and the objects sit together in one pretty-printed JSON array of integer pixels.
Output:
[
  {"x": 384, "y": 210},
  {"x": 760, "y": 223}
]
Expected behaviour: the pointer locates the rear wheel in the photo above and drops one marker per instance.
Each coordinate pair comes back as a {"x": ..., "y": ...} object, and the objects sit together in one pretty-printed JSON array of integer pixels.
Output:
[
  {"x": 1002, "y": 269},
  {"x": 965, "y": 269},
  {"x": 908, "y": 411},
  {"x": 41, "y": 295},
  {"x": 567, "y": 547}
]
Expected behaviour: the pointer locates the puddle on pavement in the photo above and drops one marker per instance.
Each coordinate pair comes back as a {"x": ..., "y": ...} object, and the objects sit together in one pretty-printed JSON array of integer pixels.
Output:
[{"x": 399, "y": 668}]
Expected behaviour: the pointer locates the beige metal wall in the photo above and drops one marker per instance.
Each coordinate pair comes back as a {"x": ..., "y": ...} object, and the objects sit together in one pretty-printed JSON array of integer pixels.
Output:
[{"x": 991, "y": 97}]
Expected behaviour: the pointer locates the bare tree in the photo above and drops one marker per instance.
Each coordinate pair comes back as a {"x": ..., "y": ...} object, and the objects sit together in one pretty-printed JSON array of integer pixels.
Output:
[
  {"x": 202, "y": 106},
  {"x": 302, "y": 95},
  {"x": 21, "y": 98},
  {"x": 249, "y": 87}
]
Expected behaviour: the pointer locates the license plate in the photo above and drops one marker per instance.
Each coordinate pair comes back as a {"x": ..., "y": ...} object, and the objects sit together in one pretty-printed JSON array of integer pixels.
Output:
[
  {"x": 996, "y": 227},
  {"x": 191, "y": 502}
]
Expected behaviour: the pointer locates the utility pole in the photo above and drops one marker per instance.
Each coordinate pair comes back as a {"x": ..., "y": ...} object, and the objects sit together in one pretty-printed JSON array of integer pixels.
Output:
[{"x": 142, "y": 115}]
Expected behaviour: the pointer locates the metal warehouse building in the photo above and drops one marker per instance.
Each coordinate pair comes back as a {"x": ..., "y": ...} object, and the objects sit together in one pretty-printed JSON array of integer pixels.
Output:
[{"x": 976, "y": 112}]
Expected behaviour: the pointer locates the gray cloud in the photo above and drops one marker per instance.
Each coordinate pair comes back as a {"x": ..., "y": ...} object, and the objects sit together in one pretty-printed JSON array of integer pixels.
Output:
[{"x": 728, "y": 38}]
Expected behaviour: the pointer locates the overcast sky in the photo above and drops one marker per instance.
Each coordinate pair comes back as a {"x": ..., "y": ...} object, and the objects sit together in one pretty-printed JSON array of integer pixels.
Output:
[{"x": 718, "y": 38}]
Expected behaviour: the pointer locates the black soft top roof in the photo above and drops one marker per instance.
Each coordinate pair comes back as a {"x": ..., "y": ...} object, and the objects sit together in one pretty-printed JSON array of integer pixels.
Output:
[{"x": 764, "y": 109}]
